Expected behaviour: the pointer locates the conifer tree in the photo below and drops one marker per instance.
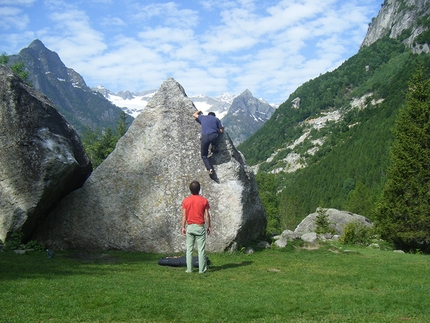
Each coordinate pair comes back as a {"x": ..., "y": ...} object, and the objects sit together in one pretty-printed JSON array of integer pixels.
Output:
[
  {"x": 359, "y": 200},
  {"x": 404, "y": 212},
  {"x": 121, "y": 125}
]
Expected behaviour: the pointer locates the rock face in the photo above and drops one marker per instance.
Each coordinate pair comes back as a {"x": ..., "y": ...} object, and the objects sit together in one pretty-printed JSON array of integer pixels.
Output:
[
  {"x": 132, "y": 201},
  {"x": 41, "y": 156},
  {"x": 246, "y": 115},
  {"x": 295, "y": 104},
  {"x": 336, "y": 218},
  {"x": 397, "y": 16}
]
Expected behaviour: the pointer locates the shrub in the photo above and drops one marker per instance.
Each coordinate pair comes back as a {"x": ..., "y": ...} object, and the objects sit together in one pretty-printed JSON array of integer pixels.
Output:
[
  {"x": 15, "y": 243},
  {"x": 35, "y": 246},
  {"x": 356, "y": 233}
]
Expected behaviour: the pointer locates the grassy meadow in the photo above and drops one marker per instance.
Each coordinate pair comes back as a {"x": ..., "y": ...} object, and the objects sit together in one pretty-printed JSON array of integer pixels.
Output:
[{"x": 290, "y": 285}]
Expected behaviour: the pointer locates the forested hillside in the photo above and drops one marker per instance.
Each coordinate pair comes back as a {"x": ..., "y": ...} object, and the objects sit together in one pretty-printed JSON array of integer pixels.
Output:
[{"x": 348, "y": 170}]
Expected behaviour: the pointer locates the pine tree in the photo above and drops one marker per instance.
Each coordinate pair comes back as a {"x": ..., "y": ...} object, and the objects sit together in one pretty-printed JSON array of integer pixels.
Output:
[
  {"x": 359, "y": 200},
  {"x": 404, "y": 212},
  {"x": 121, "y": 125}
]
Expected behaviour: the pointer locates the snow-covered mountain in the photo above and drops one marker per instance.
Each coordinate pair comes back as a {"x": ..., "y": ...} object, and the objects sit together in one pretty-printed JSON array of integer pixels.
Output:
[
  {"x": 134, "y": 103},
  {"x": 130, "y": 103},
  {"x": 220, "y": 104}
]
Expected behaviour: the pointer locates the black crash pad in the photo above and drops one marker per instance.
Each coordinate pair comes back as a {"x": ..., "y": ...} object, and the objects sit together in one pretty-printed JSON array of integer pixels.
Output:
[{"x": 180, "y": 261}]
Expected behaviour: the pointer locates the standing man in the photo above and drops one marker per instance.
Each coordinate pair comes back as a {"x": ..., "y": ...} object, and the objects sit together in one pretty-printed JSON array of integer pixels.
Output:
[
  {"x": 211, "y": 128},
  {"x": 195, "y": 213}
]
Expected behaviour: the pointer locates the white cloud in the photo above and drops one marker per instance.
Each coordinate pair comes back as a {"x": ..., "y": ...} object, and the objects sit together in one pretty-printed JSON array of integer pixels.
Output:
[
  {"x": 167, "y": 13},
  {"x": 74, "y": 36},
  {"x": 113, "y": 22},
  {"x": 166, "y": 35},
  {"x": 102, "y": 1},
  {"x": 16, "y": 2},
  {"x": 11, "y": 17},
  {"x": 210, "y": 46}
]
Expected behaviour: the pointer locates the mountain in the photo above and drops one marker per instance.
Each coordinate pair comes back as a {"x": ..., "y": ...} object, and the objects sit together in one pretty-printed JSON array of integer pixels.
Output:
[
  {"x": 220, "y": 104},
  {"x": 82, "y": 107},
  {"x": 241, "y": 116},
  {"x": 245, "y": 116},
  {"x": 328, "y": 144},
  {"x": 134, "y": 103}
]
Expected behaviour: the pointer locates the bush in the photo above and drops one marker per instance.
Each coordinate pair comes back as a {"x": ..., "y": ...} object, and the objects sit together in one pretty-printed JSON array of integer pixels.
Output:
[
  {"x": 15, "y": 243},
  {"x": 356, "y": 233},
  {"x": 35, "y": 246}
]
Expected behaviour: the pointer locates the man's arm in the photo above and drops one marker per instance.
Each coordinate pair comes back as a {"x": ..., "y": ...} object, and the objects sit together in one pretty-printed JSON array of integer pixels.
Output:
[
  {"x": 196, "y": 114},
  {"x": 184, "y": 220},
  {"x": 208, "y": 221},
  {"x": 220, "y": 126}
]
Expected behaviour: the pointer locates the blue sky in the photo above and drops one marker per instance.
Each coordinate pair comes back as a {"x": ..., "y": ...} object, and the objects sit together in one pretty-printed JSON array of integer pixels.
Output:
[{"x": 209, "y": 46}]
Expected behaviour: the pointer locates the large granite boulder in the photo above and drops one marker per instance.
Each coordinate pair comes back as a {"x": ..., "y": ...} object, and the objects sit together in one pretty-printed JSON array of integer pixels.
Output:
[
  {"x": 336, "y": 218},
  {"x": 41, "y": 156},
  {"x": 132, "y": 201}
]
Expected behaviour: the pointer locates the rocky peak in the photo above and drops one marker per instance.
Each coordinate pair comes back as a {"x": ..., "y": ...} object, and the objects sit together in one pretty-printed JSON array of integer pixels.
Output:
[
  {"x": 126, "y": 95},
  {"x": 45, "y": 61},
  {"x": 102, "y": 90},
  {"x": 248, "y": 103},
  {"x": 399, "y": 18},
  {"x": 66, "y": 88},
  {"x": 246, "y": 94},
  {"x": 245, "y": 116},
  {"x": 37, "y": 45}
]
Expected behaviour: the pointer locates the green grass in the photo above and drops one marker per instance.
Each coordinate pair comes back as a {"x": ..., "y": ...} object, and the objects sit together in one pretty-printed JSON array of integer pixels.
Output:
[{"x": 268, "y": 286}]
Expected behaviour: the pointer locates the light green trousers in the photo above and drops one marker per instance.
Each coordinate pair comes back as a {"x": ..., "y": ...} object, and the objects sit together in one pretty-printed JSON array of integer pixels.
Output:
[{"x": 196, "y": 233}]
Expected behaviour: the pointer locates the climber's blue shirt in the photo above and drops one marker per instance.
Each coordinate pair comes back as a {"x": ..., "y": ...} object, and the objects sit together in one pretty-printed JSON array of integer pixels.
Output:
[{"x": 210, "y": 124}]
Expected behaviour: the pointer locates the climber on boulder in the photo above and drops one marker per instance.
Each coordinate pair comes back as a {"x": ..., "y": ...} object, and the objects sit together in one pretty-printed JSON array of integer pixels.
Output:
[{"x": 211, "y": 128}]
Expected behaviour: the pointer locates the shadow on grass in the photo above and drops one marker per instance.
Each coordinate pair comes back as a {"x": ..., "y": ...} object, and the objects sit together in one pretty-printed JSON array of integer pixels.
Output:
[
  {"x": 230, "y": 266},
  {"x": 36, "y": 265}
]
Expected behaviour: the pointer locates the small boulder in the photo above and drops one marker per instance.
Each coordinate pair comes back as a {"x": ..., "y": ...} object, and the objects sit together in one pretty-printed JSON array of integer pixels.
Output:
[
  {"x": 263, "y": 245},
  {"x": 310, "y": 237},
  {"x": 248, "y": 251},
  {"x": 337, "y": 220},
  {"x": 290, "y": 235},
  {"x": 281, "y": 242}
]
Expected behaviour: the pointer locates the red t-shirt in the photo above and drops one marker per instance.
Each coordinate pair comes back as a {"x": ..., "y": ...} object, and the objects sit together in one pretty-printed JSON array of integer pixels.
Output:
[{"x": 195, "y": 206}]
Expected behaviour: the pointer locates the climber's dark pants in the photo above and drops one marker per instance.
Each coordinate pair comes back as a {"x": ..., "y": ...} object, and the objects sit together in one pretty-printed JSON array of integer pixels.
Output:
[{"x": 206, "y": 141}]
